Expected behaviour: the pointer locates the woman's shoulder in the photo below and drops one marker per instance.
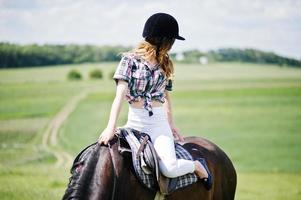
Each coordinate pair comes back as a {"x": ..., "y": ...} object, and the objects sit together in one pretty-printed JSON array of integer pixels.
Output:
[
  {"x": 129, "y": 55},
  {"x": 133, "y": 58},
  {"x": 126, "y": 58}
]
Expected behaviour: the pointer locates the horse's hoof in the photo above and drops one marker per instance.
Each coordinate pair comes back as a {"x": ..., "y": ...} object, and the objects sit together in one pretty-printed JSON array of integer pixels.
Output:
[{"x": 206, "y": 181}]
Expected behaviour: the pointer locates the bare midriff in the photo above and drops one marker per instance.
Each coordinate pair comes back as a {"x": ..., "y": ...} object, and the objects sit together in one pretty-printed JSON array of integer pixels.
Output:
[{"x": 139, "y": 104}]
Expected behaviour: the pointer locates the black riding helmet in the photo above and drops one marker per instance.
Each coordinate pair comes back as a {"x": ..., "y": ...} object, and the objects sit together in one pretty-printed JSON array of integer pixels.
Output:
[{"x": 161, "y": 25}]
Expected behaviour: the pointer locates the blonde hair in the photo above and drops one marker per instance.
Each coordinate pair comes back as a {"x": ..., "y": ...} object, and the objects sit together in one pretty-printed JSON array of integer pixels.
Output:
[{"x": 156, "y": 48}]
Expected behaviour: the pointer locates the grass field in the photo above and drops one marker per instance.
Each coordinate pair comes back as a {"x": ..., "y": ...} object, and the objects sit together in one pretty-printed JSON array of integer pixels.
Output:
[{"x": 253, "y": 112}]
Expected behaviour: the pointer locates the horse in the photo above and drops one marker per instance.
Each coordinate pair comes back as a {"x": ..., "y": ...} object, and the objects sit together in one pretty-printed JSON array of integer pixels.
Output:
[{"x": 106, "y": 174}]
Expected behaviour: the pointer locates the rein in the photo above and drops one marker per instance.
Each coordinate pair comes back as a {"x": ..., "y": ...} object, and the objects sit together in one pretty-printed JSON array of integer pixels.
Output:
[{"x": 114, "y": 171}]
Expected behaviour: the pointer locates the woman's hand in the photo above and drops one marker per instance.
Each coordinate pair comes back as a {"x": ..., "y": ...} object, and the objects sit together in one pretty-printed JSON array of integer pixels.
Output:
[
  {"x": 106, "y": 135},
  {"x": 176, "y": 133}
]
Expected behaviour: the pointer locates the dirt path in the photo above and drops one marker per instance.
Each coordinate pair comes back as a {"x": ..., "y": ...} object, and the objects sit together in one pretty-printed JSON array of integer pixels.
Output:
[{"x": 50, "y": 136}]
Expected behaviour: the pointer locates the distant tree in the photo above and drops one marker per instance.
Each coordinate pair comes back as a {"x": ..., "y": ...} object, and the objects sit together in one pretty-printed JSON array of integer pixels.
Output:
[
  {"x": 253, "y": 56},
  {"x": 192, "y": 56},
  {"x": 13, "y": 55}
]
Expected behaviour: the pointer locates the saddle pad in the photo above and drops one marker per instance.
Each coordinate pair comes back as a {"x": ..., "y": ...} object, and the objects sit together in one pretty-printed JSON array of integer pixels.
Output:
[
  {"x": 133, "y": 138},
  {"x": 189, "y": 178}
]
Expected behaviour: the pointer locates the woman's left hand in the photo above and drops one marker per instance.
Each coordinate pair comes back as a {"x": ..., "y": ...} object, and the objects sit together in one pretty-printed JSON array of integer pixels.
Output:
[{"x": 176, "y": 133}]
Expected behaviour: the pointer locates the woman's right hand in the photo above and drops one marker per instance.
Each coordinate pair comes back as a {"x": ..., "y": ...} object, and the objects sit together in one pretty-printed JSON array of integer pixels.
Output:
[{"x": 106, "y": 135}]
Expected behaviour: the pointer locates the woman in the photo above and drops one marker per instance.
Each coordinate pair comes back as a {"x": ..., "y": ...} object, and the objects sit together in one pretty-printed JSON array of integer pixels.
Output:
[{"x": 144, "y": 78}]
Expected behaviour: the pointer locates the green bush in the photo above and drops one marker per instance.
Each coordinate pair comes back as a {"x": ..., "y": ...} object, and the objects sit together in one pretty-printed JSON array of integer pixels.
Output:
[
  {"x": 74, "y": 75},
  {"x": 96, "y": 74}
]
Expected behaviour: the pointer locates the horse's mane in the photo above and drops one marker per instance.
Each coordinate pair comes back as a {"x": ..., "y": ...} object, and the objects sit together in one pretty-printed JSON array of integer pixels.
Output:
[{"x": 83, "y": 170}]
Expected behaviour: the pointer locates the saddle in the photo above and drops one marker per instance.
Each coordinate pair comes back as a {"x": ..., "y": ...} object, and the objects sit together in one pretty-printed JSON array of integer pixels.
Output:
[{"x": 146, "y": 161}]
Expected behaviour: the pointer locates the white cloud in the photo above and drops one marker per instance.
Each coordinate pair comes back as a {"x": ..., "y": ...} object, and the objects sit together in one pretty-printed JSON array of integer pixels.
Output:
[{"x": 272, "y": 25}]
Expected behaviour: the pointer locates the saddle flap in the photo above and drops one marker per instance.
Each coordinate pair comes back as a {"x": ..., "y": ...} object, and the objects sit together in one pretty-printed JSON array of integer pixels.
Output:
[
  {"x": 146, "y": 162},
  {"x": 152, "y": 158},
  {"x": 123, "y": 147}
]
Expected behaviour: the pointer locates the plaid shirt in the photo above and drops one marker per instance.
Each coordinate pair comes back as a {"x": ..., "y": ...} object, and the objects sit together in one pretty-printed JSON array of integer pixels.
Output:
[{"x": 143, "y": 81}]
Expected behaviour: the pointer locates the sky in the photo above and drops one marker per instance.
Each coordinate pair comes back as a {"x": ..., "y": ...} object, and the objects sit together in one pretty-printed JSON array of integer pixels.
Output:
[{"x": 269, "y": 25}]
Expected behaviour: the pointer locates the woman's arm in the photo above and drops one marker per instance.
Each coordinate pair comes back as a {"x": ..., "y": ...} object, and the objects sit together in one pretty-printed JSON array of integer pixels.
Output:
[
  {"x": 109, "y": 131},
  {"x": 168, "y": 107},
  {"x": 173, "y": 127}
]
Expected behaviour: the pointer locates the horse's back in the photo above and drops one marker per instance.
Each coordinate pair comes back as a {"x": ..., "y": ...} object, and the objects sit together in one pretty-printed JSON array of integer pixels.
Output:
[
  {"x": 97, "y": 176},
  {"x": 219, "y": 164}
]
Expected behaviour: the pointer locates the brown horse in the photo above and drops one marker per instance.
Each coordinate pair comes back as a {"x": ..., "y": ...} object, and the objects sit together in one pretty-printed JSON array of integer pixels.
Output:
[{"x": 106, "y": 174}]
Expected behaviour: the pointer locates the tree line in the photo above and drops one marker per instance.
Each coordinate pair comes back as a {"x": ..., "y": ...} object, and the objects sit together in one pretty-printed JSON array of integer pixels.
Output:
[
  {"x": 252, "y": 56},
  {"x": 16, "y": 55}
]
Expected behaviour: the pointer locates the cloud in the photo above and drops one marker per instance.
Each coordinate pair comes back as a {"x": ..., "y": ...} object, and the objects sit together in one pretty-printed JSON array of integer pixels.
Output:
[{"x": 271, "y": 25}]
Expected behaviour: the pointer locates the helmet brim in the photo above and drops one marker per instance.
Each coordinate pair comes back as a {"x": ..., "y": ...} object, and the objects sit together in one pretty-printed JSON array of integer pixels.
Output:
[{"x": 180, "y": 38}]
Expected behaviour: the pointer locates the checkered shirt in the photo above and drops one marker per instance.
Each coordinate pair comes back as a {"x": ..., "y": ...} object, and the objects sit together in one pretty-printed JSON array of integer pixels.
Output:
[{"x": 143, "y": 81}]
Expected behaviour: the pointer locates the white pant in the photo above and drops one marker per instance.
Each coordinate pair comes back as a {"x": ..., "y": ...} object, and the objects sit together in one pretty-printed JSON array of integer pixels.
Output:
[{"x": 157, "y": 127}]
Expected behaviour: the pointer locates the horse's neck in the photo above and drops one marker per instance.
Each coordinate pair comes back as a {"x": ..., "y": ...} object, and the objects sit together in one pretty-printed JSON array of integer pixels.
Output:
[
  {"x": 101, "y": 181},
  {"x": 114, "y": 172},
  {"x": 126, "y": 179}
]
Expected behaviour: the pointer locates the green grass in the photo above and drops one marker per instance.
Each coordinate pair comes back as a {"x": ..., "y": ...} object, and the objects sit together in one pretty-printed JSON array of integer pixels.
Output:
[
  {"x": 252, "y": 112},
  {"x": 276, "y": 186},
  {"x": 260, "y": 121},
  {"x": 32, "y": 181}
]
